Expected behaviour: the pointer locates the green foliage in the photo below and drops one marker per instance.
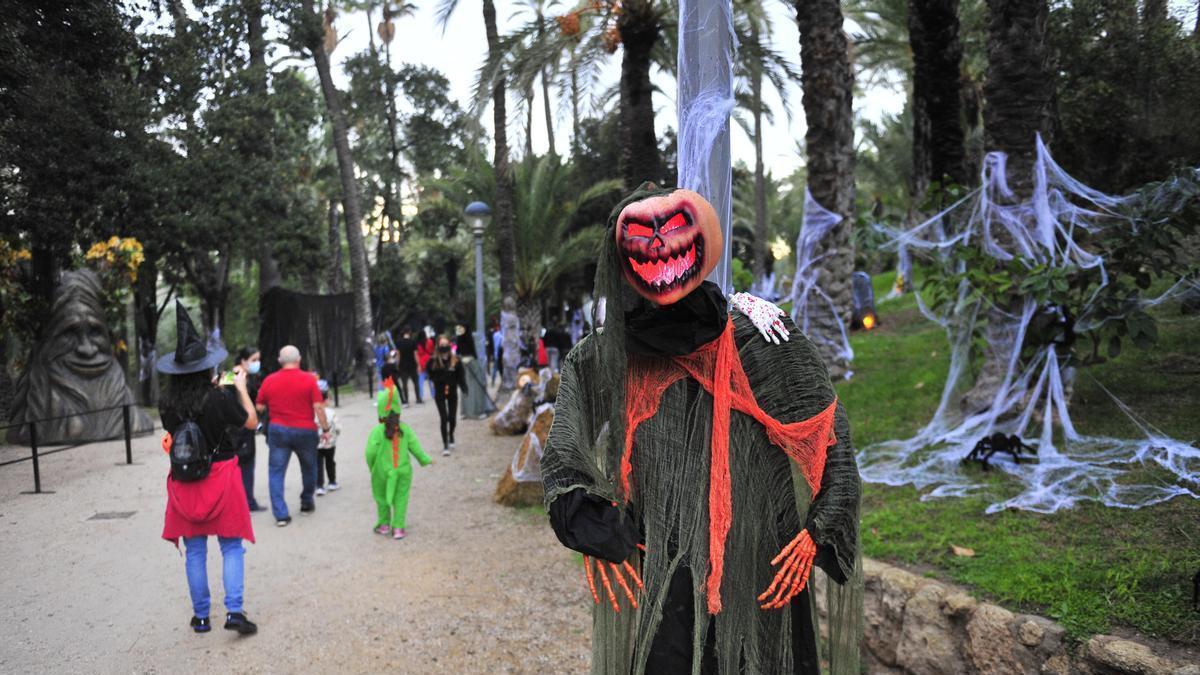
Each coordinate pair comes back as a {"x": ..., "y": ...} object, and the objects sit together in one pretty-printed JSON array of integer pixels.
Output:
[
  {"x": 1127, "y": 90},
  {"x": 743, "y": 278},
  {"x": 1092, "y": 568}
]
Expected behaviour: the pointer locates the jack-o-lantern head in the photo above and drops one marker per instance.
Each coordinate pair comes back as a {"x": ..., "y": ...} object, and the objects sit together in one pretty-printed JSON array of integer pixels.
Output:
[{"x": 667, "y": 244}]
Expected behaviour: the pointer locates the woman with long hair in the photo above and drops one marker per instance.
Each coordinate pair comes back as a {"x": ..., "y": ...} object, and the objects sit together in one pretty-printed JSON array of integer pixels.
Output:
[
  {"x": 447, "y": 374},
  {"x": 249, "y": 360},
  {"x": 206, "y": 497}
]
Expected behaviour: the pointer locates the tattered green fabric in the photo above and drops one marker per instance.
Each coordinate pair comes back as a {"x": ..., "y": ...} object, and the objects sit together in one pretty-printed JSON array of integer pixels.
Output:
[{"x": 771, "y": 499}]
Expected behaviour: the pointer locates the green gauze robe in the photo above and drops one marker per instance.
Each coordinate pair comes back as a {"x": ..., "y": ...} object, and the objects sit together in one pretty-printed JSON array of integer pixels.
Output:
[{"x": 391, "y": 476}]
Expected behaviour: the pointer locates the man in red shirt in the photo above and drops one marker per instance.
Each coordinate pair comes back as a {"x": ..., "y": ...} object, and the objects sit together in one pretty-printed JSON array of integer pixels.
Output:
[{"x": 293, "y": 399}]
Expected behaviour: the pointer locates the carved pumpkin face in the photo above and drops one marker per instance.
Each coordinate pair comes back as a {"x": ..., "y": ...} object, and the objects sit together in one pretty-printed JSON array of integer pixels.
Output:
[{"x": 668, "y": 244}]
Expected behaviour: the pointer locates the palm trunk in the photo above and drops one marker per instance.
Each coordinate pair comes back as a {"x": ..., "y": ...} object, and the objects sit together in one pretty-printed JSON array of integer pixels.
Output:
[
  {"x": 334, "y": 278},
  {"x": 938, "y": 150},
  {"x": 529, "y": 121},
  {"x": 575, "y": 132},
  {"x": 760, "y": 180},
  {"x": 1019, "y": 92},
  {"x": 145, "y": 322},
  {"x": 529, "y": 310},
  {"x": 640, "y": 28},
  {"x": 502, "y": 218},
  {"x": 546, "y": 93},
  {"x": 828, "y": 108},
  {"x": 359, "y": 273}
]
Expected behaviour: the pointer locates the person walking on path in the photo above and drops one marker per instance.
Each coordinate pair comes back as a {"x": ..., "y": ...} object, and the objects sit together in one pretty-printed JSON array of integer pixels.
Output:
[
  {"x": 249, "y": 360},
  {"x": 476, "y": 404},
  {"x": 293, "y": 400},
  {"x": 447, "y": 374},
  {"x": 327, "y": 445},
  {"x": 408, "y": 366},
  {"x": 425, "y": 349},
  {"x": 214, "y": 504},
  {"x": 388, "y": 448}
]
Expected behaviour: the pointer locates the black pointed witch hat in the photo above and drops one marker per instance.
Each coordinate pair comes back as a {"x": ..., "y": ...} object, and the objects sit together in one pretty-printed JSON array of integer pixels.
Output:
[{"x": 191, "y": 354}]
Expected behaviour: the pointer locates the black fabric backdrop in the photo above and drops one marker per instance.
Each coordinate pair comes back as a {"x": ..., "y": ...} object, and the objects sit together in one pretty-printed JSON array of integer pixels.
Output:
[{"x": 320, "y": 326}]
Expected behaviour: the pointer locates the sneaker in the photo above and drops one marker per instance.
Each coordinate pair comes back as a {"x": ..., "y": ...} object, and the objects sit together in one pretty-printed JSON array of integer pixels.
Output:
[
  {"x": 238, "y": 621},
  {"x": 308, "y": 508},
  {"x": 256, "y": 508},
  {"x": 399, "y": 533},
  {"x": 201, "y": 625},
  {"x": 446, "y": 452},
  {"x": 283, "y": 522},
  {"x": 320, "y": 492},
  {"x": 383, "y": 529},
  {"x": 333, "y": 487},
  {"x": 452, "y": 446}
]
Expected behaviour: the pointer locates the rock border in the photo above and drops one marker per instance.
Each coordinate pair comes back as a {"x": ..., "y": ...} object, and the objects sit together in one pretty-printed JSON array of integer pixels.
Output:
[{"x": 919, "y": 626}]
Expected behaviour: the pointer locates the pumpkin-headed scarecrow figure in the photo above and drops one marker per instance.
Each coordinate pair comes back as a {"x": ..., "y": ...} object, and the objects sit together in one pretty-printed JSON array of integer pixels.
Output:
[{"x": 701, "y": 470}]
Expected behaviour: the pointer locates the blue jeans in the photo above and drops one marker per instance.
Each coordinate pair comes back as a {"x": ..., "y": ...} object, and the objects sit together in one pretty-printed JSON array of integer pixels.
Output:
[
  {"x": 232, "y": 552},
  {"x": 283, "y": 441}
]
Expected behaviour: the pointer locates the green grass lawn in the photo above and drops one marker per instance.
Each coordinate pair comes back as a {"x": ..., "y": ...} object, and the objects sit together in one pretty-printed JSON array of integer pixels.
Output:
[{"x": 1090, "y": 567}]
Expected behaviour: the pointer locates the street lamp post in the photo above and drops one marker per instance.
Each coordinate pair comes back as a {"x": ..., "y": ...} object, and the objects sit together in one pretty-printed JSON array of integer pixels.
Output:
[{"x": 479, "y": 214}]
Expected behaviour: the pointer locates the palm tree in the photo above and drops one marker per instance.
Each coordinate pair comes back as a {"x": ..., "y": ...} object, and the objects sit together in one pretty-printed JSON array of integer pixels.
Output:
[
  {"x": 938, "y": 143},
  {"x": 309, "y": 33},
  {"x": 1019, "y": 92},
  {"x": 547, "y": 248},
  {"x": 828, "y": 107},
  {"x": 757, "y": 62}
]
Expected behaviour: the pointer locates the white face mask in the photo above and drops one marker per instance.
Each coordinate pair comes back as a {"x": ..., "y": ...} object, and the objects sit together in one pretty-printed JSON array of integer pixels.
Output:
[{"x": 254, "y": 367}]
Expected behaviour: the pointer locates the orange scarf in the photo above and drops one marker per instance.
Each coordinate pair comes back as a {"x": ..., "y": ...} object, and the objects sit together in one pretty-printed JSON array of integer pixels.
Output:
[{"x": 717, "y": 367}]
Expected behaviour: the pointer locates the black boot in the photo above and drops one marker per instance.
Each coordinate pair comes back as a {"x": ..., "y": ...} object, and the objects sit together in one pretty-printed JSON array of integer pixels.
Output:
[
  {"x": 238, "y": 621},
  {"x": 201, "y": 625}
]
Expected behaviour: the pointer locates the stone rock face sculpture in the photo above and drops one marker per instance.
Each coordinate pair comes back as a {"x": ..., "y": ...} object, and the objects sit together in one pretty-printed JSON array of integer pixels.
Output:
[{"x": 72, "y": 370}]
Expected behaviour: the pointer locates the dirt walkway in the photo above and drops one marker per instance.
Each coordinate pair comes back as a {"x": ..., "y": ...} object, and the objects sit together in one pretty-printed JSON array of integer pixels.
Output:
[{"x": 476, "y": 588}]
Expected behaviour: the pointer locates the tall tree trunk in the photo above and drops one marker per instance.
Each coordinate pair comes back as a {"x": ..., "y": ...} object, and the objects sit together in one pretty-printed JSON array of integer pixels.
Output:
[
  {"x": 760, "y": 179},
  {"x": 938, "y": 150},
  {"x": 359, "y": 273},
  {"x": 1154, "y": 11},
  {"x": 1019, "y": 87},
  {"x": 828, "y": 108},
  {"x": 1018, "y": 94},
  {"x": 640, "y": 28},
  {"x": 145, "y": 324},
  {"x": 529, "y": 121},
  {"x": 575, "y": 131},
  {"x": 546, "y": 92},
  {"x": 502, "y": 218},
  {"x": 334, "y": 279}
]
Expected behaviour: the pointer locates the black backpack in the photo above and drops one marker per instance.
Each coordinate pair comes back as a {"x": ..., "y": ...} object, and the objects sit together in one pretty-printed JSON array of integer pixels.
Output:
[{"x": 191, "y": 458}]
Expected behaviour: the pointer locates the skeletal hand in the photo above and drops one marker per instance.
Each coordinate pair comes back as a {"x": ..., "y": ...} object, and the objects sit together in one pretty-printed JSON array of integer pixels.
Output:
[
  {"x": 765, "y": 316},
  {"x": 795, "y": 563},
  {"x": 606, "y": 570}
]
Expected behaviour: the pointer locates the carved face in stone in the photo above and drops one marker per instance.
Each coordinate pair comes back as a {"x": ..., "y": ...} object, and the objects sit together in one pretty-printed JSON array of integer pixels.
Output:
[
  {"x": 668, "y": 244},
  {"x": 81, "y": 342},
  {"x": 72, "y": 370}
]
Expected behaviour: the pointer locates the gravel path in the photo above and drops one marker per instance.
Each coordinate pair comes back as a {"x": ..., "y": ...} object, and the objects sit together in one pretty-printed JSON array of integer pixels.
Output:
[{"x": 476, "y": 587}]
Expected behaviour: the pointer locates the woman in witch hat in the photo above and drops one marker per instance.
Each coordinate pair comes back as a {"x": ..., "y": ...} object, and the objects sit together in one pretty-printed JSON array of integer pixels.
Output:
[{"x": 215, "y": 504}]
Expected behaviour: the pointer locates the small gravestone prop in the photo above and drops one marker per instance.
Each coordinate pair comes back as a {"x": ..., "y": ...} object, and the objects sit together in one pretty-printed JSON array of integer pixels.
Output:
[
  {"x": 72, "y": 371},
  {"x": 864, "y": 316}
]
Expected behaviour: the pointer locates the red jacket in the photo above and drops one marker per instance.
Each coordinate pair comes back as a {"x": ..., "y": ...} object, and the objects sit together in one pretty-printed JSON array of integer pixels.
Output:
[{"x": 215, "y": 505}]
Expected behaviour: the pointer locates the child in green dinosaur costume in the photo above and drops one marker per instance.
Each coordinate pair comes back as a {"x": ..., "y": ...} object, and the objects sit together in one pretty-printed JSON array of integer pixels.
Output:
[{"x": 388, "y": 448}]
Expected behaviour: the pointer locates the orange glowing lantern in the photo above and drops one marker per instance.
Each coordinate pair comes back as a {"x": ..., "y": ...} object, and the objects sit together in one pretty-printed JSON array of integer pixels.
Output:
[{"x": 863, "y": 293}]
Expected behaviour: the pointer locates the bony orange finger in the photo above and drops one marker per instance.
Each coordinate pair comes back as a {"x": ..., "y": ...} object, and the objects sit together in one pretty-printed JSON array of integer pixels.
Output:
[
  {"x": 591, "y": 579},
  {"x": 779, "y": 583},
  {"x": 616, "y": 570},
  {"x": 612, "y": 597},
  {"x": 785, "y": 576},
  {"x": 795, "y": 584},
  {"x": 637, "y": 579}
]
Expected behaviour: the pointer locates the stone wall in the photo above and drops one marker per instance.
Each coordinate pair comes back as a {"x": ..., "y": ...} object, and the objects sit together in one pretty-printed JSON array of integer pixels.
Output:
[{"x": 919, "y": 626}]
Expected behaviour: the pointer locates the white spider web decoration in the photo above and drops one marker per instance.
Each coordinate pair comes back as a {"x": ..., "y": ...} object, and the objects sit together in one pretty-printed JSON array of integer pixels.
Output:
[{"x": 1047, "y": 229}]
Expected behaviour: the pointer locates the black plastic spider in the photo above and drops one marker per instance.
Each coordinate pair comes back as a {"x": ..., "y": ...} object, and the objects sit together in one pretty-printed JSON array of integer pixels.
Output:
[{"x": 998, "y": 442}]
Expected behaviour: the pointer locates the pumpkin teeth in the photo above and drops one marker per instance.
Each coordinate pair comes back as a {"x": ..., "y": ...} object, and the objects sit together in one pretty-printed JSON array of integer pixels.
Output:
[{"x": 663, "y": 273}]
